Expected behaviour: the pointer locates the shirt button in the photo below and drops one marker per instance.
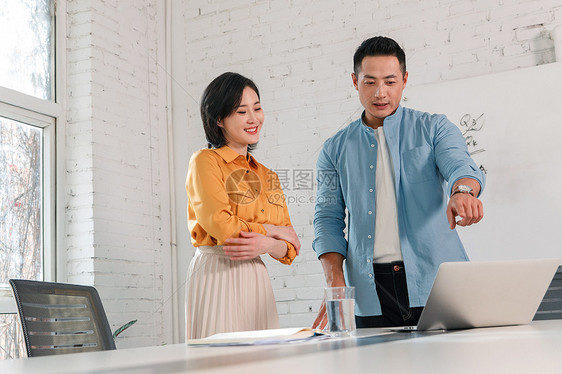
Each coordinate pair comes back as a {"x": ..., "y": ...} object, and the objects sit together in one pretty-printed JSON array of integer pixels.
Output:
[
  {"x": 370, "y": 190},
  {"x": 368, "y": 260},
  {"x": 369, "y": 236},
  {"x": 370, "y": 212},
  {"x": 372, "y": 146},
  {"x": 371, "y": 166},
  {"x": 370, "y": 275}
]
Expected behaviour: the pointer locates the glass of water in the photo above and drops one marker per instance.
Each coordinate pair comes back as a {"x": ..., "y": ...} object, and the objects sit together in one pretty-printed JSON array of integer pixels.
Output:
[{"x": 340, "y": 307}]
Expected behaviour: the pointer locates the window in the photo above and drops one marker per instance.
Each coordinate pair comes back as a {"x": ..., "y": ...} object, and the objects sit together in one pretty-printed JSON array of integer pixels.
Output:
[
  {"x": 20, "y": 201},
  {"x": 26, "y": 61},
  {"x": 28, "y": 116}
]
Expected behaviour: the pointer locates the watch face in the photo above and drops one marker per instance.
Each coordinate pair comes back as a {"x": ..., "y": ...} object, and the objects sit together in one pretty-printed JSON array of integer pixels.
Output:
[{"x": 463, "y": 188}]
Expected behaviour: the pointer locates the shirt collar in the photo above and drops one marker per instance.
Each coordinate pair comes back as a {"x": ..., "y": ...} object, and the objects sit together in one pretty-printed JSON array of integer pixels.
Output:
[
  {"x": 395, "y": 118},
  {"x": 229, "y": 155},
  {"x": 389, "y": 122}
]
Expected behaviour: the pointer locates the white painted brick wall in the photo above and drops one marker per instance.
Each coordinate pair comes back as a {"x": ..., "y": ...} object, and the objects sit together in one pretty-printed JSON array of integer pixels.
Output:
[
  {"x": 117, "y": 233},
  {"x": 300, "y": 55}
]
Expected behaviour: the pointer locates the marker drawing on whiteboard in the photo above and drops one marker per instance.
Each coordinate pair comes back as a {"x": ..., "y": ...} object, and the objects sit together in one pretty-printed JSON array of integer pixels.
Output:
[{"x": 470, "y": 125}]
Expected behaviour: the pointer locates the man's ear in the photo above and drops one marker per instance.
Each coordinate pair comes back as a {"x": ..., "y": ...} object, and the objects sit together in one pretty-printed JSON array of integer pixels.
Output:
[
  {"x": 405, "y": 79},
  {"x": 219, "y": 124},
  {"x": 354, "y": 79}
]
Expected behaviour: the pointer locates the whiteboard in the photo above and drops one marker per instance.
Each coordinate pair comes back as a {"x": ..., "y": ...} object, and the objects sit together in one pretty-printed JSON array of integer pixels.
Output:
[{"x": 513, "y": 125}]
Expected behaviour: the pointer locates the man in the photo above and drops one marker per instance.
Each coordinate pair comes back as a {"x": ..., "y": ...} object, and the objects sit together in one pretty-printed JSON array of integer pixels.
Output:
[{"x": 393, "y": 170}]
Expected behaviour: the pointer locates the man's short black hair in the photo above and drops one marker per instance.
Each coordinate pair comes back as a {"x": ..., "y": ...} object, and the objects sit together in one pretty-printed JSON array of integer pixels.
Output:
[
  {"x": 220, "y": 99},
  {"x": 379, "y": 46}
]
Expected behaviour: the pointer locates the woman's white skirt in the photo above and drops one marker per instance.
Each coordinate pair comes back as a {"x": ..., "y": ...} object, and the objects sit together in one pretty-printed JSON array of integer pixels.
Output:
[{"x": 224, "y": 295}]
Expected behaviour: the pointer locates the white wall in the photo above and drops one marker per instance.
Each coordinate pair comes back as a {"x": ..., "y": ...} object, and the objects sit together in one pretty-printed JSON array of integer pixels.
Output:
[
  {"x": 300, "y": 55},
  {"x": 117, "y": 191}
]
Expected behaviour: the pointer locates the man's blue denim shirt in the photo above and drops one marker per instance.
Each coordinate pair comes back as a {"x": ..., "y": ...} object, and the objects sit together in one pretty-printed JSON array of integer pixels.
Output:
[{"x": 427, "y": 151}]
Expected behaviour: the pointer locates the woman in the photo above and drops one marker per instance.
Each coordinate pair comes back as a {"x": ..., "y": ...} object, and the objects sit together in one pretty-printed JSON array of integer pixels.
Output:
[{"x": 236, "y": 212}]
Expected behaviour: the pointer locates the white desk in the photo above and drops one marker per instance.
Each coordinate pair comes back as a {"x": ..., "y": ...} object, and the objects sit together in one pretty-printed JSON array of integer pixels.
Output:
[{"x": 535, "y": 348}]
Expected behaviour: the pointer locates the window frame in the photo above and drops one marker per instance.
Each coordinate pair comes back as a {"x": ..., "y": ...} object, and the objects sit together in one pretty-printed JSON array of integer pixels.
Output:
[{"x": 49, "y": 116}]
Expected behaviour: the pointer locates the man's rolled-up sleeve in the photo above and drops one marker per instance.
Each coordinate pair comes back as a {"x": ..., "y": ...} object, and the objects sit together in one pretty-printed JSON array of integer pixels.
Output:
[{"x": 452, "y": 155}]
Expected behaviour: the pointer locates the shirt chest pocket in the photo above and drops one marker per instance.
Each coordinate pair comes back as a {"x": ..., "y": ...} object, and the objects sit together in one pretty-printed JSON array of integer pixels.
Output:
[
  {"x": 419, "y": 165},
  {"x": 243, "y": 189}
]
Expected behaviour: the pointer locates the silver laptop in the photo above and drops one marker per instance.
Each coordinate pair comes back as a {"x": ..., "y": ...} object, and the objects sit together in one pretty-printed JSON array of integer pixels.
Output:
[{"x": 487, "y": 293}]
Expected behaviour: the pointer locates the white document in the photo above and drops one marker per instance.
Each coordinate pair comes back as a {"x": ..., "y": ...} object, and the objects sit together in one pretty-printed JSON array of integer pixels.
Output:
[{"x": 257, "y": 337}]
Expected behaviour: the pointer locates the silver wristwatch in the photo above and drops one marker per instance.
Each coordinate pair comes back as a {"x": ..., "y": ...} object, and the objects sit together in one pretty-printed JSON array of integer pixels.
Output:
[{"x": 462, "y": 188}]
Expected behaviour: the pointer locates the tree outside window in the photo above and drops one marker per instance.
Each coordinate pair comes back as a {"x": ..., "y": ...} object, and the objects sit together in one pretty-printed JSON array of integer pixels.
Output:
[{"x": 20, "y": 215}]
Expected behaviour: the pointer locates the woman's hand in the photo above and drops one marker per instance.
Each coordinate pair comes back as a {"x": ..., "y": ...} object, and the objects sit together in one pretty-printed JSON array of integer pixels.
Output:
[
  {"x": 251, "y": 245},
  {"x": 322, "y": 318},
  {"x": 286, "y": 233}
]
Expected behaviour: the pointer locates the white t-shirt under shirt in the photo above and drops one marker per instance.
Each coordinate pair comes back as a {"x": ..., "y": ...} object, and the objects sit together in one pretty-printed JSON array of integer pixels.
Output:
[{"x": 387, "y": 238}]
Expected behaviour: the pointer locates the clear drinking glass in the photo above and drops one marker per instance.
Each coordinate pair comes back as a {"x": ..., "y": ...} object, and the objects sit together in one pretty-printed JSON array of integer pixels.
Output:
[{"x": 340, "y": 307}]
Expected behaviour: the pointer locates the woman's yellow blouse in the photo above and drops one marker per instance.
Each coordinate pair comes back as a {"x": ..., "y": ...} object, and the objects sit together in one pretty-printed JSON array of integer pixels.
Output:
[{"x": 228, "y": 193}]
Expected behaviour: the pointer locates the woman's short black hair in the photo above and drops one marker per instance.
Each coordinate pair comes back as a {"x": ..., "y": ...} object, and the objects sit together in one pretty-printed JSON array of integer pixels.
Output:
[
  {"x": 379, "y": 46},
  {"x": 220, "y": 99}
]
